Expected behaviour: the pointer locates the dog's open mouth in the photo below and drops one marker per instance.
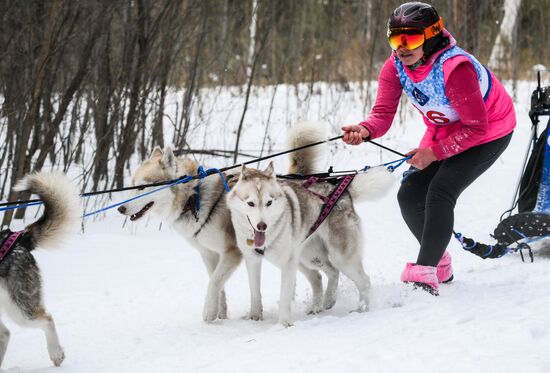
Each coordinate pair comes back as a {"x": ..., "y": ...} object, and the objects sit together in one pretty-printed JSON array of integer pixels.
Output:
[
  {"x": 259, "y": 238},
  {"x": 141, "y": 212}
]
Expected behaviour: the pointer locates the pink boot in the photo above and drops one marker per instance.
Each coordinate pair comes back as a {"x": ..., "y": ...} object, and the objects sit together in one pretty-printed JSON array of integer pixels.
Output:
[
  {"x": 445, "y": 269},
  {"x": 422, "y": 276}
]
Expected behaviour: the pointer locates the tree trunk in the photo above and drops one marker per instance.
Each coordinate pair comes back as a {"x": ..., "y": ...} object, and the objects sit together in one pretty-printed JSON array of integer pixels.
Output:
[{"x": 502, "y": 50}]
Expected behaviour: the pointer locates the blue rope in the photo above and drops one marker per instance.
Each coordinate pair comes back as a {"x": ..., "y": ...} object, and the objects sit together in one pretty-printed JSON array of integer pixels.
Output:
[
  {"x": 460, "y": 239},
  {"x": 399, "y": 163},
  {"x": 201, "y": 173},
  {"x": 184, "y": 180},
  {"x": 20, "y": 206},
  {"x": 222, "y": 177},
  {"x": 389, "y": 166}
]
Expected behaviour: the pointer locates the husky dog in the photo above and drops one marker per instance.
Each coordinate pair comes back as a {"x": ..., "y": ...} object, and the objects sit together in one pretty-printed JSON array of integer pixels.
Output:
[
  {"x": 197, "y": 211},
  {"x": 20, "y": 280},
  {"x": 272, "y": 218}
]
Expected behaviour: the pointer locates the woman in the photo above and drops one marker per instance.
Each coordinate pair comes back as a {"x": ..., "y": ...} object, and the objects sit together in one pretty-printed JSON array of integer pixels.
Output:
[{"x": 469, "y": 118}]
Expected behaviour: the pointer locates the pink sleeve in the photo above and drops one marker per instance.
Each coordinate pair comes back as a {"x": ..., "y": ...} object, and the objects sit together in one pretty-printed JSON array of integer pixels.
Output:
[
  {"x": 387, "y": 100},
  {"x": 462, "y": 89}
]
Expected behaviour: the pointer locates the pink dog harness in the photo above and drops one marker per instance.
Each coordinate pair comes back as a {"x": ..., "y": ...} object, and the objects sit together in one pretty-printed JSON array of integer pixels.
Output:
[
  {"x": 330, "y": 201},
  {"x": 9, "y": 243}
]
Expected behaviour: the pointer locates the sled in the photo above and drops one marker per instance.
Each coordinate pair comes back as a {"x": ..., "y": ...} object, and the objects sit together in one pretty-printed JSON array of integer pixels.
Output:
[{"x": 531, "y": 222}]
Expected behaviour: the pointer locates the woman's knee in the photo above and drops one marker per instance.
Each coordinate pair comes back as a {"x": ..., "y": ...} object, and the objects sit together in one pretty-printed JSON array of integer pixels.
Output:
[{"x": 408, "y": 198}]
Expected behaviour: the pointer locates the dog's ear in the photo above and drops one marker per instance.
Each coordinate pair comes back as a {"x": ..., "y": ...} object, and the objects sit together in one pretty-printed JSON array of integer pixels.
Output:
[
  {"x": 157, "y": 152},
  {"x": 168, "y": 159},
  {"x": 244, "y": 172},
  {"x": 269, "y": 170}
]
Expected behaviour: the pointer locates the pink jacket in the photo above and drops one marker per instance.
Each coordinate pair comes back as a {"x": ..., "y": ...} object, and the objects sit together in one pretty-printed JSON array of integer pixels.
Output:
[{"x": 480, "y": 121}]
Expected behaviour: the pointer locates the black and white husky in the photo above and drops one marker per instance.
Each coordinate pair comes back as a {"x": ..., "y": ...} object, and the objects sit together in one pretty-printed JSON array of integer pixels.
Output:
[
  {"x": 198, "y": 212},
  {"x": 20, "y": 281},
  {"x": 272, "y": 218}
]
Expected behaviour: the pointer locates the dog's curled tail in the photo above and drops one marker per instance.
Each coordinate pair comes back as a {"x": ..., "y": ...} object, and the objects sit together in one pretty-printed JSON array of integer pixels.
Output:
[
  {"x": 309, "y": 160},
  {"x": 61, "y": 207},
  {"x": 371, "y": 185}
]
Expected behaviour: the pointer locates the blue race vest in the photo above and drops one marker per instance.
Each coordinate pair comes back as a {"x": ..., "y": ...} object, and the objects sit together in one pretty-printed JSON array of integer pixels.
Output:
[{"x": 428, "y": 95}]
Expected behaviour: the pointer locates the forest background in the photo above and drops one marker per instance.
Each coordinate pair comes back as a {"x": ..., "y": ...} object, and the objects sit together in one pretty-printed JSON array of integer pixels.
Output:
[{"x": 100, "y": 72}]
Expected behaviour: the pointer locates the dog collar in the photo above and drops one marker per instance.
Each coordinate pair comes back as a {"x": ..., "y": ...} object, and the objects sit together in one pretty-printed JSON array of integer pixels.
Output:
[
  {"x": 259, "y": 251},
  {"x": 9, "y": 243}
]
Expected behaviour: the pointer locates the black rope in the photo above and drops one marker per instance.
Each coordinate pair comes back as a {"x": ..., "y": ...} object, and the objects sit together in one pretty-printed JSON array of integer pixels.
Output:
[{"x": 224, "y": 169}]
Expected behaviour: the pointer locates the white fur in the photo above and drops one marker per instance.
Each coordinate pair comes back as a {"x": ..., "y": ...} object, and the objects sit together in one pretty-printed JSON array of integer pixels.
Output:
[
  {"x": 213, "y": 238},
  {"x": 65, "y": 205},
  {"x": 371, "y": 185},
  {"x": 312, "y": 159},
  {"x": 285, "y": 212}
]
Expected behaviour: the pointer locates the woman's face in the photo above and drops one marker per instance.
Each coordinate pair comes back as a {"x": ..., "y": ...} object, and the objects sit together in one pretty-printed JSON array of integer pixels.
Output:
[{"x": 409, "y": 57}]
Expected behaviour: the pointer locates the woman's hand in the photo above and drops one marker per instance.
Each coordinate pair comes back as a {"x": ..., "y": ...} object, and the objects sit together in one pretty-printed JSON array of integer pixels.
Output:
[
  {"x": 422, "y": 158},
  {"x": 355, "y": 134}
]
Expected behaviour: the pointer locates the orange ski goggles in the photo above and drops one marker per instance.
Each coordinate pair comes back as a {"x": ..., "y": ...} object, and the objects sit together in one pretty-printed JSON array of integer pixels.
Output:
[{"x": 413, "y": 37}]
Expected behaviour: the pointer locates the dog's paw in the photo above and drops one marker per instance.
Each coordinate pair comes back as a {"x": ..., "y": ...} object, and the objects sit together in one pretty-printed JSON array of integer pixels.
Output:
[
  {"x": 286, "y": 323},
  {"x": 314, "y": 309},
  {"x": 209, "y": 314},
  {"x": 254, "y": 316},
  {"x": 222, "y": 312},
  {"x": 57, "y": 356},
  {"x": 329, "y": 303},
  {"x": 363, "y": 307}
]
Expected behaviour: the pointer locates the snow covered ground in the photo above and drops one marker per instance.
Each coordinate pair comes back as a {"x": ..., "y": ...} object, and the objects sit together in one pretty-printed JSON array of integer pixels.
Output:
[{"x": 129, "y": 298}]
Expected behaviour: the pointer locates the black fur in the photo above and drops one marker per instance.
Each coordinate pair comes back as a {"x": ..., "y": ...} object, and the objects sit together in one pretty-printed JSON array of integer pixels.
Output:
[{"x": 20, "y": 274}]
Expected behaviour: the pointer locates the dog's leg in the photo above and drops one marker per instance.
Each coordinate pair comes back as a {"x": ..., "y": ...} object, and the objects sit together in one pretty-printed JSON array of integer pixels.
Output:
[
  {"x": 210, "y": 260},
  {"x": 352, "y": 267},
  {"x": 44, "y": 321},
  {"x": 227, "y": 264},
  {"x": 288, "y": 286},
  {"x": 254, "y": 270},
  {"x": 4, "y": 339},
  {"x": 333, "y": 276},
  {"x": 314, "y": 278}
]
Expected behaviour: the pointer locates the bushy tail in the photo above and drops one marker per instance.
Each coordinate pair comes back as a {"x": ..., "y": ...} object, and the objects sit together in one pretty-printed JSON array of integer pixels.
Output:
[
  {"x": 309, "y": 160},
  {"x": 61, "y": 207},
  {"x": 371, "y": 185}
]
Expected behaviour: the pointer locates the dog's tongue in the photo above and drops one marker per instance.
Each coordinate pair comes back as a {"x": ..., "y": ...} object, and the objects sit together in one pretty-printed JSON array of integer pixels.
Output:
[{"x": 259, "y": 238}]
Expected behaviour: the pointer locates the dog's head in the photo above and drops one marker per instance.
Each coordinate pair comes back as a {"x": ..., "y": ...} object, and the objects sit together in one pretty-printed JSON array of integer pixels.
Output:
[
  {"x": 162, "y": 165},
  {"x": 258, "y": 198}
]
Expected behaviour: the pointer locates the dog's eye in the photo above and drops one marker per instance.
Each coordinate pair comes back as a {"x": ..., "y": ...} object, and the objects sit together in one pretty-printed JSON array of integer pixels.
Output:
[
  {"x": 251, "y": 204},
  {"x": 269, "y": 203}
]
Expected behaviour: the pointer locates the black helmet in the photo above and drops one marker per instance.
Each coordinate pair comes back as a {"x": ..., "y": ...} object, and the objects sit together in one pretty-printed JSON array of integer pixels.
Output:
[
  {"x": 413, "y": 14},
  {"x": 421, "y": 15}
]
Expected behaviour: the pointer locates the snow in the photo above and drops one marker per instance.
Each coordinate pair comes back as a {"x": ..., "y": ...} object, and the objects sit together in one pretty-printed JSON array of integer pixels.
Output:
[{"x": 128, "y": 297}]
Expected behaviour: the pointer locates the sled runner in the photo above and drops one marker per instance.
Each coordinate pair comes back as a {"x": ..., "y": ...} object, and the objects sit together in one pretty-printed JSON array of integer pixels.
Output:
[{"x": 532, "y": 196}]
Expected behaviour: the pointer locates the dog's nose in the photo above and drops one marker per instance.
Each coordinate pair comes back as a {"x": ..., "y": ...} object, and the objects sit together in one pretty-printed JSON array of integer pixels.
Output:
[
  {"x": 261, "y": 226},
  {"x": 121, "y": 209}
]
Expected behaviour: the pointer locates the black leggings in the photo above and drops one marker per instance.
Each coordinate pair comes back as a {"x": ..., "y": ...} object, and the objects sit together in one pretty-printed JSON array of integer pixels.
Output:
[{"x": 427, "y": 197}]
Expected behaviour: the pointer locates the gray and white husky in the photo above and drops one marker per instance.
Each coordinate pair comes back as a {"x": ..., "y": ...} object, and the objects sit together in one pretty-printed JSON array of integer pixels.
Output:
[
  {"x": 207, "y": 228},
  {"x": 272, "y": 217},
  {"x": 20, "y": 280}
]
